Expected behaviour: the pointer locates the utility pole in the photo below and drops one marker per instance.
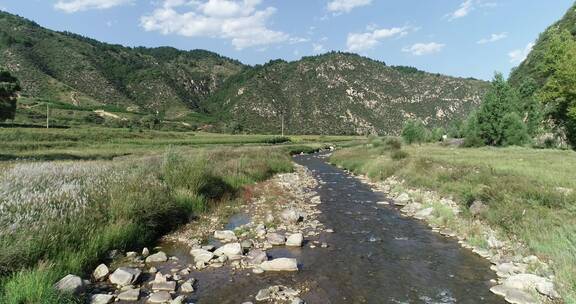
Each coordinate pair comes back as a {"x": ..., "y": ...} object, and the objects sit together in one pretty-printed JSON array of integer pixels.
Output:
[
  {"x": 47, "y": 116},
  {"x": 282, "y": 124}
]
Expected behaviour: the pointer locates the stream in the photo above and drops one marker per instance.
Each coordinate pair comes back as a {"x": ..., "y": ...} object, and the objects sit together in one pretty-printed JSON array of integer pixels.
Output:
[{"x": 375, "y": 255}]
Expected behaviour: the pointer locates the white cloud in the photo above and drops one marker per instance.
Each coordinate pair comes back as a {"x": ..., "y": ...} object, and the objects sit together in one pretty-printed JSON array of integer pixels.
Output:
[
  {"x": 517, "y": 56},
  {"x": 358, "y": 42},
  {"x": 493, "y": 38},
  {"x": 468, "y": 6},
  {"x": 241, "y": 22},
  {"x": 420, "y": 49},
  {"x": 73, "y": 6},
  {"x": 318, "y": 48},
  {"x": 465, "y": 8},
  {"x": 345, "y": 6}
]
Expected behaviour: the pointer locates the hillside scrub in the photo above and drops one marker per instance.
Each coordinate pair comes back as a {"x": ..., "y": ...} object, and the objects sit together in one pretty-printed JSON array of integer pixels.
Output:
[
  {"x": 529, "y": 197},
  {"x": 63, "y": 217}
]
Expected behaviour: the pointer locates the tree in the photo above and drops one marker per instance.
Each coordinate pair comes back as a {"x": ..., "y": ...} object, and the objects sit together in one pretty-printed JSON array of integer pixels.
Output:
[
  {"x": 514, "y": 130},
  {"x": 9, "y": 88},
  {"x": 414, "y": 132},
  {"x": 471, "y": 132},
  {"x": 500, "y": 100},
  {"x": 530, "y": 109},
  {"x": 559, "y": 91}
]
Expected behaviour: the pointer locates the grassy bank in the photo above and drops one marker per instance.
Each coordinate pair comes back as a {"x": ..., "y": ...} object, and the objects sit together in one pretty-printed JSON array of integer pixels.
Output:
[
  {"x": 530, "y": 193},
  {"x": 60, "y": 218},
  {"x": 107, "y": 143}
]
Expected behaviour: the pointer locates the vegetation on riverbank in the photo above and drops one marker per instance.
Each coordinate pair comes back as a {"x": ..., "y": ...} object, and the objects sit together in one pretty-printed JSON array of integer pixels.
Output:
[
  {"x": 529, "y": 197},
  {"x": 107, "y": 143},
  {"x": 63, "y": 217}
]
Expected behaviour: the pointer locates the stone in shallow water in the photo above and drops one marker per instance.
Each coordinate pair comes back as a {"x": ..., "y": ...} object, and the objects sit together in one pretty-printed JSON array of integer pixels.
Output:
[
  {"x": 201, "y": 255},
  {"x": 276, "y": 238},
  {"x": 158, "y": 257},
  {"x": 101, "y": 299},
  {"x": 130, "y": 295},
  {"x": 125, "y": 276},
  {"x": 256, "y": 256},
  {"x": 225, "y": 235},
  {"x": 280, "y": 264},
  {"x": 187, "y": 287},
  {"x": 295, "y": 240},
  {"x": 164, "y": 286},
  {"x": 160, "y": 297},
  {"x": 232, "y": 250}
]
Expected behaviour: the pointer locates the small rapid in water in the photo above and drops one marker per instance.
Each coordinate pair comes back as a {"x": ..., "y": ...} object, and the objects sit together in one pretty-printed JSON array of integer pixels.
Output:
[{"x": 374, "y": 256}]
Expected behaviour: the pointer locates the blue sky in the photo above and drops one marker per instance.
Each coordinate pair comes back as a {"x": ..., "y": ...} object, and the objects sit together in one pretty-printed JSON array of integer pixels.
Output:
[{"x": 469, "y": 38}]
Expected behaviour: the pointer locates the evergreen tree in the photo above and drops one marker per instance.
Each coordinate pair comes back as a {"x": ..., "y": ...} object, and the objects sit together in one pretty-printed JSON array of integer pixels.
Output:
[
  {"x": 9, "y": 87},
  {"x": 500, "y": 100},
  {"x": 514, "y": 130}
]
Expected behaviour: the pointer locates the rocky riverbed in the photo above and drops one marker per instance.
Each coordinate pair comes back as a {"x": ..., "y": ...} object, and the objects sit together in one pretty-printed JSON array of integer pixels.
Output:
[{"x": 318, "y": 235}]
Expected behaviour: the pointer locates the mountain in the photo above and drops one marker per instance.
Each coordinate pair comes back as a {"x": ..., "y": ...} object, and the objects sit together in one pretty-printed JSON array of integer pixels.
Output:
[
  {"x": 539, "y": 64},
  {"x": 341, "y": 93},
  {"x": 548, "y": 76},
  {"x": 67, "y": 67},
  {"x": 335, "y": 93}
]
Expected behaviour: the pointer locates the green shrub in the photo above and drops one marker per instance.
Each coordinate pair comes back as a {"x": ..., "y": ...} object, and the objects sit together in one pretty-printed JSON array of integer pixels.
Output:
[
  {"x": 414, "y": 131},
  {"x": 392, "y": 143},
  {"x": 399, "y": 154}
]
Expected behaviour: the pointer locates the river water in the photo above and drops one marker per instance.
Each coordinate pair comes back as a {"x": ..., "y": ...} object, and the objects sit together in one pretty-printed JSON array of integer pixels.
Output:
[{"x": 374, "y": 256}]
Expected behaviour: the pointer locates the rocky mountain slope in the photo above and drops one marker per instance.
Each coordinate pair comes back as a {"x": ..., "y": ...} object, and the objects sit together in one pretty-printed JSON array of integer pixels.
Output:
[
  {"x": 341, "y": 93},
  {"x": 335, "y": 93},
  {"x": 82, "y": 71}
]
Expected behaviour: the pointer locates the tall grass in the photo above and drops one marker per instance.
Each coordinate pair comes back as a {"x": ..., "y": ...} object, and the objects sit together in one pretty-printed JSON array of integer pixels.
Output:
[
  {"x": 60, "y": 218},
  {"x": 530, "y": 193}
]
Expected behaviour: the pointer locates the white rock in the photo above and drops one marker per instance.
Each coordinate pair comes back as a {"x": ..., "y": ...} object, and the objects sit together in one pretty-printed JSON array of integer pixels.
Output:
[
  {"x": 402, "y": 199},
  {"x": 70, "y": 284},
  {"x": 158, "y": 257},
  {"x": 160, "y": 297},
  {"x": 130, "y": 295},
  {"x": 276, "y": 238},
  {"x": 101, "y": 299},
  {"x": 201, "y": 255},
  {"x": 124, "y": 276},
  {"x": 256, "y": 256},
  {"x": 280, "y": 264},
  {"x": 145, "y": 252},
  {"x": 101, "y": 272},
  {"x": 291, "y": 216},
  {"x": 178, "y": 300},
  {"x": 295, "y": 240},
  {"x": 226, "y": 235},
  {"x": 164, "y": 286},
  {"x": 187, "y": 287},
  {"x": 232, "y": 251}
]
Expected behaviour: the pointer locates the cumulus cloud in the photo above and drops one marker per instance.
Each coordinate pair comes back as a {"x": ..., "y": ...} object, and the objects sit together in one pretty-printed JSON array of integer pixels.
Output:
[
  {"x": 493, "y": 38},
  {"x": 241, "y": 22},
  {"x": 420, "y": 49},
  {"x": 518, "y": 55},
  {"x": 345, "y": 6},
  {"x": 73, "y": 6},
  {"x": 358, "y": 42}
]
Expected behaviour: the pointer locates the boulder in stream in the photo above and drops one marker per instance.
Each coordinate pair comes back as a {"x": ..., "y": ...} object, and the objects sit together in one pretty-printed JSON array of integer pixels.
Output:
[{"x": 280, "y": 264}]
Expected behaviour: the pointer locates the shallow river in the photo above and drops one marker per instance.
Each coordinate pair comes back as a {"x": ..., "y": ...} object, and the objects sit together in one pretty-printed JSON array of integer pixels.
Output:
[{"x": 375, "y": 256}]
